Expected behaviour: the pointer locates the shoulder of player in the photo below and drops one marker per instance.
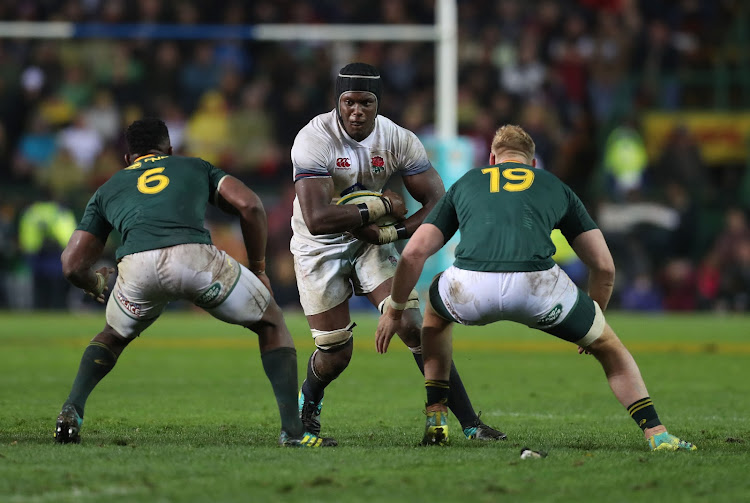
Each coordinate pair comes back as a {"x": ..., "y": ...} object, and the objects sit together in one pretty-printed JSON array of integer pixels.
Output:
[
  {"x": 320, "y": 126},
  {"x": 387, "y": 125}
]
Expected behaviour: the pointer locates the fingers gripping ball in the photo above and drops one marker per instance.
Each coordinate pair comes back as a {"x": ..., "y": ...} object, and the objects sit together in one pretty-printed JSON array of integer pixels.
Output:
[{"x": 366, "y": 196}]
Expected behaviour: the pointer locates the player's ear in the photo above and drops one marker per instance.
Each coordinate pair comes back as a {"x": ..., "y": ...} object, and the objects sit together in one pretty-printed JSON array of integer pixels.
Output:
[
  {"x": 169, "y": 150},
  {"x": 492, "y": 158},
  {"x": 533, "y": 162},
  {"x": 127, "y": 159}
]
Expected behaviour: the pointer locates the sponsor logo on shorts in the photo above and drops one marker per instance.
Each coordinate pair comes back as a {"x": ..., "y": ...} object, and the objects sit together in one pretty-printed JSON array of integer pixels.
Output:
[
  {"x": 551, "y": 316},
  {"x": 393, "y": 260},
  {"x": 209, "y": 295},
  {"x": 377, "y": 164},
  {"x": 129, "y": 306}
]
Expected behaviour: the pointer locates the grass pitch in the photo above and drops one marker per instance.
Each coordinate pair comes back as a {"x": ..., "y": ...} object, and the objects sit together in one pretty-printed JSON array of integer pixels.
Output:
[{"x": 188, "y": 415}]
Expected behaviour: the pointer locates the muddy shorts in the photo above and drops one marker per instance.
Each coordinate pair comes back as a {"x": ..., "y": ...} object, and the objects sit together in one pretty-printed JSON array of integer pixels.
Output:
[
  {"x": 328, "y": 274},
  {"x": 545, "y": 300},
  {"x": 199, "y": 273}
]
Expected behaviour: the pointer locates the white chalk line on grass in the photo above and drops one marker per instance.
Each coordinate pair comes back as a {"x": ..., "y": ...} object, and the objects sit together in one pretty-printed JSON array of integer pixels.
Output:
[{"x": 77, "y": 492}]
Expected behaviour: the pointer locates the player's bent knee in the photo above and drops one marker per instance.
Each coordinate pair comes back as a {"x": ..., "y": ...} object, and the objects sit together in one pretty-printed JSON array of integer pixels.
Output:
[
  {"x": 412, "y": 302},
  {"x": 596, "y": 330},
  {"x": 330, "y": 341}
]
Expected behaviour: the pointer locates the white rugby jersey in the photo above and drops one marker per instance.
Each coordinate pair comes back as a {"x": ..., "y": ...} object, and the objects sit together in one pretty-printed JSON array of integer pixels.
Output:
[{"x": 323, "y": 149}]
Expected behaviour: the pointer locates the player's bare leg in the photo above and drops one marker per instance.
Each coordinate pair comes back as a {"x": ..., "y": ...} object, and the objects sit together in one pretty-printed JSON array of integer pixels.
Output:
[
  {"x": 326, "y": 363},
  {"x": 627, "y": 384}
]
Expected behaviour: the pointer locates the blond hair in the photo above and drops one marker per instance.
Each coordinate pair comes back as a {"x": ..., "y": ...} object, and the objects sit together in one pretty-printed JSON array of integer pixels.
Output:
[{"x": 511, "y": 139}]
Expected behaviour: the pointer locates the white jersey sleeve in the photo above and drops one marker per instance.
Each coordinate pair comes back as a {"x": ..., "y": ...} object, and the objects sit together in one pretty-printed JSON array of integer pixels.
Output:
[
  {"x": 412, "y": 154},
  {"x": 311, "y": 154}
]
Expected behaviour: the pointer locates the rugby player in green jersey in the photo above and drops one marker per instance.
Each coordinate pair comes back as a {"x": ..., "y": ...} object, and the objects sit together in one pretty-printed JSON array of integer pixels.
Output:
[
  {"x": 158, "y": 205},
  {"x": 504, "y": 271}
]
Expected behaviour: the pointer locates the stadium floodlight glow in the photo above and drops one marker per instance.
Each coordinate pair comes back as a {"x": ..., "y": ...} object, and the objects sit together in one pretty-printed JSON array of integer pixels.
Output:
[{"x": 444, "y": 33}]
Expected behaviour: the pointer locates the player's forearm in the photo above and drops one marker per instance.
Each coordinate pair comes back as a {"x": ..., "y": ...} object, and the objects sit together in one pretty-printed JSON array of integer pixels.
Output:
[
  {"x": 78, "y": 259},
  {"x": 85, "y": 279},
  {"x": 254, "y": 225},
  {"x": 407, "y": 274},
  {"x": 332, "y": 219},
  {"x": 601, "y": 284},
  {"x": 414, "y": 221}
]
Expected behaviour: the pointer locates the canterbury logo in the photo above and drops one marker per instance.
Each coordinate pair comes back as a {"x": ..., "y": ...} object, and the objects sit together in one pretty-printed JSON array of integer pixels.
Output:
[
  {"x": 101, "y": 362},
  {"x": 643, "y": 421},
  {"x": 343, "y": 162}
]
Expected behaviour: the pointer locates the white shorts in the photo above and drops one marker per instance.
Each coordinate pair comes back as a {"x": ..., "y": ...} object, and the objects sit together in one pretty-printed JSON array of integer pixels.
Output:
[
  {"x": 545, "y": 300},
  {"x": 202, "y": 274},
  {"x": 327, "y": 274}
]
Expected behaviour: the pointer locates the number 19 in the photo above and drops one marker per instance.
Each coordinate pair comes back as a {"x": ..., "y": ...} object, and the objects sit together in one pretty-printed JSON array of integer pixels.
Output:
[{"x": 517, "y": 179}]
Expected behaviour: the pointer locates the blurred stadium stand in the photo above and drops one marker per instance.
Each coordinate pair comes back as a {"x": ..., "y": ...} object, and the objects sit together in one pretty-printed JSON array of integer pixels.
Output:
[{"x": 641, "y": 106}]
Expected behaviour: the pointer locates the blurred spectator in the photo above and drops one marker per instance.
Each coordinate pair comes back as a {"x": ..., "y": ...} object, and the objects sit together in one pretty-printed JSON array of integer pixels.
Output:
[
  {"x": 43, "y": 232},
  {"x": 735, "y": 231},
  {"x": 625, "y": 160},
  {"x": 36, "y": 147},
  {"x": 735, "y": 282},
  {"x": 525, "y": 76},
  {"x": 82, "y": 142},
  {"x": 680, "y": 162},
  {"x": 103, "y": 116},
  {"x": 731, "y": 250},
  {"x": 656, "y": 59},
  {"x": 207, "y": 131},
  {"x": 708, "y": 278},
  {"x": 641, "y": 295},
  {"x": 678, "y": 282},
  {"x": 199, "y": 75}
]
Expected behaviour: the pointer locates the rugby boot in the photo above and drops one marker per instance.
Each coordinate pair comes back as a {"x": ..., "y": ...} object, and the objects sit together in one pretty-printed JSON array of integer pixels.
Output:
[
  {"x": 666, "y": 442},
  {"x": 436, "y": 425},
  {"x": 307, "y": 440},
  {"x": 67, "y": 430},
  {"x": 481, "y": 431},
  {"x": 309, "y": 413}
]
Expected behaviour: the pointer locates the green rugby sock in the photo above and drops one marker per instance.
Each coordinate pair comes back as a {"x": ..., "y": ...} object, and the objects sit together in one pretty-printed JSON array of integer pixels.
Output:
[
  {"x": 96, "y": 362},
  {"x": 280, "y": 365}
]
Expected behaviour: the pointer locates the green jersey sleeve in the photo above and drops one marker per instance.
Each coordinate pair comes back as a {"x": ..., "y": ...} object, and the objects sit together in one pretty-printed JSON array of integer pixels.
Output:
[
  {"x": 443, "y": 215},
  {"x": 93, "y": 219},
  {"x": 576, "y": 220},
  {"x": 215, "y": 176}
]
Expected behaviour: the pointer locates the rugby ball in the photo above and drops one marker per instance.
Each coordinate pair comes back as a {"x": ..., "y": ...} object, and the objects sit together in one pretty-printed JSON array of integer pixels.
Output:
[{"x": 361, "y": 196}]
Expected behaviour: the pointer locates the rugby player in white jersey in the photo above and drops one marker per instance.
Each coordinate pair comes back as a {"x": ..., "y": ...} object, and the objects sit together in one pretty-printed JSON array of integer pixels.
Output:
[{"x": 339, "y": 250}]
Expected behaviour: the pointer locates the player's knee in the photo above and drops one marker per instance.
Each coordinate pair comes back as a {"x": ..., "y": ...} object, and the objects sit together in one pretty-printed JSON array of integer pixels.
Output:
[
  {"x": 410, "y": 332},
  {"x": 412, "y": 302},
  {"x": 607, "y": 342},
  {"x": 333, "y": 341},
  {"x": 112, "y": 340}
]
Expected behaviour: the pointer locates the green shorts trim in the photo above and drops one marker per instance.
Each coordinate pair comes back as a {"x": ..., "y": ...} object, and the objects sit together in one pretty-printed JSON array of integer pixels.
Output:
[
  {"x": 437, "y": 303},
  {"x": 578, "y": 322}
]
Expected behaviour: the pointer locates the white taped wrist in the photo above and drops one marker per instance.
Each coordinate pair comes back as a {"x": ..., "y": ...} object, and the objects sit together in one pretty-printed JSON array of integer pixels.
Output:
[
  {"x": 100, "y": 284},
  {"x": 387, "y": 234},
  {"x": 398, "y": 306},
  {"x": 376, "y": 208}
]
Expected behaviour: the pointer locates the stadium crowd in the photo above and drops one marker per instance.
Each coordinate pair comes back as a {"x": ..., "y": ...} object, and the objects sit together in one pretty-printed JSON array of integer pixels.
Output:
[{"x": 577, "y": 75}]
